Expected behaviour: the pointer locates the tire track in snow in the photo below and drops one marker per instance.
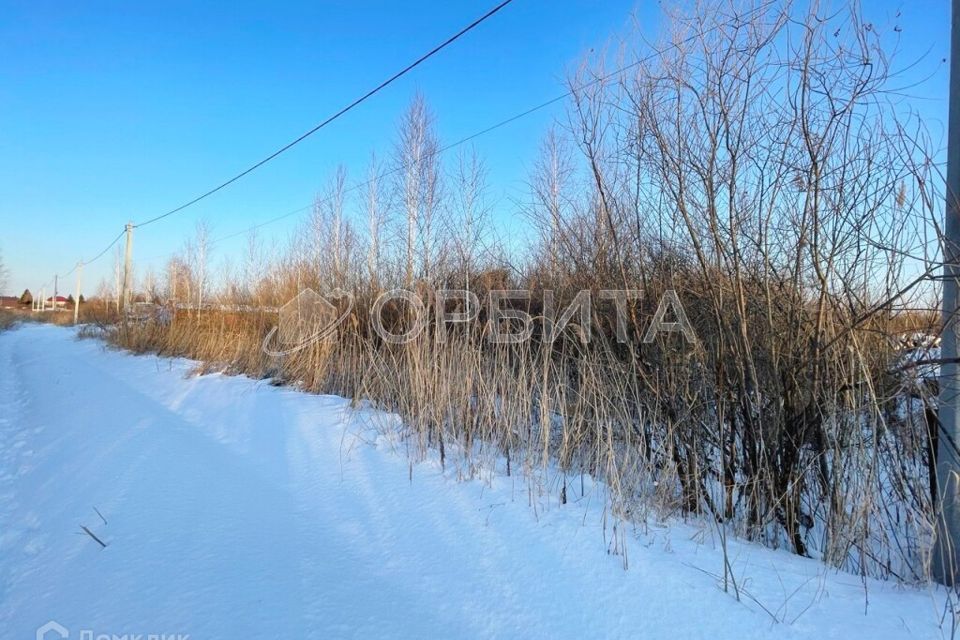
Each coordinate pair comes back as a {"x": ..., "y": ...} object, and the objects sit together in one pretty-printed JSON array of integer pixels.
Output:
[{"x": 237, "y": 509}]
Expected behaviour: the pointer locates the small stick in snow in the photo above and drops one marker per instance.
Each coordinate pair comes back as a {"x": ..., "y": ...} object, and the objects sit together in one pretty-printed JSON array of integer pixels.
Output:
[
  {"x": 90, "y": 533},
  {"x": 101, "y": 515}
]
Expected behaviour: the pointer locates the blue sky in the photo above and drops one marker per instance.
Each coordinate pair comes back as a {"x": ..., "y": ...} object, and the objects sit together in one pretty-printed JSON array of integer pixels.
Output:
[{"x": 116, "y": 111}]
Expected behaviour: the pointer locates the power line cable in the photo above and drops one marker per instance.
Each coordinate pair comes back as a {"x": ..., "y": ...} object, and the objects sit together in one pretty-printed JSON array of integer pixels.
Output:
[
  {"x": 336, "y": 115},
  {"x": 108, "y": 247},
  {"x": 401, "y": 167},
  {"x": 497, "y": 125},
  {"x": 502, "y": 123}
]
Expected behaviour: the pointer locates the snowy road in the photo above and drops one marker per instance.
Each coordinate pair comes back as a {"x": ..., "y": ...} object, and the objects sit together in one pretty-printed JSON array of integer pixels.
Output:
[{"x": 235, "y": 509}]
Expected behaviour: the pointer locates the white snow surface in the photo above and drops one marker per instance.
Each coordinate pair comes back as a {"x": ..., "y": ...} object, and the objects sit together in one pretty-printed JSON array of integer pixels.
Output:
[{"x": 237, "y": 509}]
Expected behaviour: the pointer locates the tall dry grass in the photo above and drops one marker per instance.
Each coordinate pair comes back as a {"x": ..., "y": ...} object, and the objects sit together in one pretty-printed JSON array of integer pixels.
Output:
[
  {"x": 7, "y": 319},
  {"x": 759, "y": 168}
]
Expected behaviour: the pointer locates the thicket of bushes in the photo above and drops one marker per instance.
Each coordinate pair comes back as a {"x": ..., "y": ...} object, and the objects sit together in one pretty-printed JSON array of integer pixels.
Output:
[{"x": 763, "y": 167}]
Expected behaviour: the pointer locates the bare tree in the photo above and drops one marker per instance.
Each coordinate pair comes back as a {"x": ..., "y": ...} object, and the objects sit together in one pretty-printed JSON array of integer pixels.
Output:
[
  {"x": 254, "y": 264},
  {"x": 550, "y": 184},
  {"x": 179, "y": 285},
  {"x": 331, "y": 238},
  {"x": 376, "y": 209},
  {"x": 467, "y": 222},
  {"x": 198, "y": 258},
  {"x": 335, "y": 205},
  {"x": 419, "y": 183},
  {"x": 151, "y": 286}
]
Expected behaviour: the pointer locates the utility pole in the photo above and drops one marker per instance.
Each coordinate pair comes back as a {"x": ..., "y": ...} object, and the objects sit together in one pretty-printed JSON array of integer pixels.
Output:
[
  {"x": 945, "y": 561},
  {"x": 76, "y": 298},
  {"x": 127, "y": 264},
  {"x": 56, "y": 291}
]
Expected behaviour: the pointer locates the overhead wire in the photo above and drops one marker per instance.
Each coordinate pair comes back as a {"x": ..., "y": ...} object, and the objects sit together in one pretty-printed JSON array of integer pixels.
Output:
[
  {"x": 335, "y": 116},
  {"x": 502, "y": 123}
]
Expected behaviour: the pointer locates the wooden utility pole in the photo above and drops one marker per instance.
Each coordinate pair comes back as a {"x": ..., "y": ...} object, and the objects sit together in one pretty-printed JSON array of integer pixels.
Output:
[
  {"x": 945, "y": 561},
  {"x": 76, "y": 297},
  {"x": 127, "y": 265}
]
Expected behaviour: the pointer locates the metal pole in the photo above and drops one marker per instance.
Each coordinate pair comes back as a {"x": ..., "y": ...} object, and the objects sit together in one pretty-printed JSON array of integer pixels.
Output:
[
  {"x": 127, "y": 263},
  {"x": 76, "y": 298},
  {"x": 945, "y": 566}
]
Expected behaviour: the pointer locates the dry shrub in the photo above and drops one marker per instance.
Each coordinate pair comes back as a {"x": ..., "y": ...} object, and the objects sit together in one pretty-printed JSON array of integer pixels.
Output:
[
  {"x": 758, "y": 168},
  {"x": 7, "y": 319}
]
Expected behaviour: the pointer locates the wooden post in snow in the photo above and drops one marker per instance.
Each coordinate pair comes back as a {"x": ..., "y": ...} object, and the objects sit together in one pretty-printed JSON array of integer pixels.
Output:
[{"x": 127, "y": 266}]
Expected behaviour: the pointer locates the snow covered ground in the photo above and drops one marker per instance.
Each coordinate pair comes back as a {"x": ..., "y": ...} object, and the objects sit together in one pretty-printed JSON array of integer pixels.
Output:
[{"x": 235, "y": 509}]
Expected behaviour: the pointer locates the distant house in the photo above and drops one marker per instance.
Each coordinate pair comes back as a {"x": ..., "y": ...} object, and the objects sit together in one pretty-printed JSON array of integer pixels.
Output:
[
  {"x": 61, "y": 302},
  {"x": 9, "y": 302}
]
